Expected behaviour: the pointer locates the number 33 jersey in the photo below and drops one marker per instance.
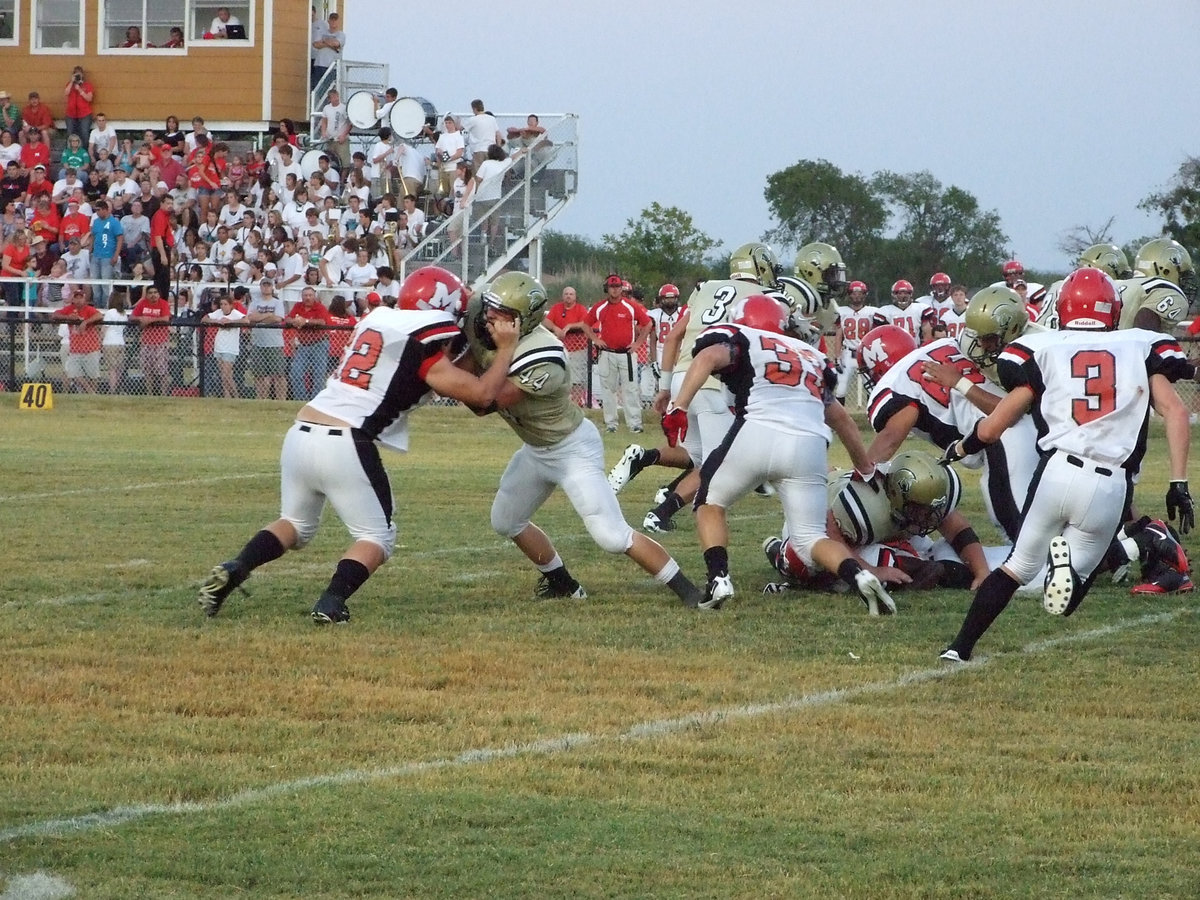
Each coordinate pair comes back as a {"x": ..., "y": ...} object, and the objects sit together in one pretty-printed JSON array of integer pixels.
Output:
[
  {"x": 775, "y": 379},
  {"x": 382, "y": 373},
  {"x": 1092, "y": 389}
]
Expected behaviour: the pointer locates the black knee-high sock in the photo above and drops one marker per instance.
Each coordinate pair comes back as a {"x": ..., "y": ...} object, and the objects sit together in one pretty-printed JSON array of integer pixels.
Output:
[
  {"x": 991, "y": 598},
  {"x": 260, "y": 550},
  {"x": 668, "y": 508},
  {"x": 717, "y": 560},
  {"x": 347, "y": 578},
  {"x": 847, "y": 571},
  {"x": 678, "y": 478}
]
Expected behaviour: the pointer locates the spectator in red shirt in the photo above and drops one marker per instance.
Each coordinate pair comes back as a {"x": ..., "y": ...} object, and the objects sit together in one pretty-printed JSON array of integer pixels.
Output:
[
  {"x": 621, "y": 324},
  {"x": 37, "y": 116},
  {"x": 162, "y": 243},
  {"x": 79, "y": 93},
  {"x": 339, "y": 314},
  {"x": 568, "y": 320},
  {"x": 35, "y": 152},
  {"x": 83, "y": 358},
  {"x": 14, "y": 263},
  {"x": 74, "y": 224},
  {"x": 153, "y": 314},
  {"x": 310, "y": 359}
]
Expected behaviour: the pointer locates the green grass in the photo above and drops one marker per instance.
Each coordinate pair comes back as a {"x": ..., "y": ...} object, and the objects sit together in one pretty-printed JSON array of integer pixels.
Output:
[{"x": 459, "y": 739}]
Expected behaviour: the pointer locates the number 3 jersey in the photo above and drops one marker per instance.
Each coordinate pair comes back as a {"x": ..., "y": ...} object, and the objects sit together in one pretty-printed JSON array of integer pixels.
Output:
[
  {"x": 775, "y": 379},
  {"x": 382, "y": 373},
  {"x": 711, "y": 304},
  {"x": 1092, "y": 389}
]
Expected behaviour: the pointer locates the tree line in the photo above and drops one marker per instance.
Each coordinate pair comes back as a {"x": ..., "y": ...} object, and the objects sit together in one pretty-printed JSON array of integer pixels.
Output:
[{"x": 887, "y": 226}]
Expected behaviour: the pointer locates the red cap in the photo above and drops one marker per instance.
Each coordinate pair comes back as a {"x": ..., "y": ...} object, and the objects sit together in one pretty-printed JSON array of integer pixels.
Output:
[
  {"x": 613, "y": 281},
  {"x": 373, "y": 299}
]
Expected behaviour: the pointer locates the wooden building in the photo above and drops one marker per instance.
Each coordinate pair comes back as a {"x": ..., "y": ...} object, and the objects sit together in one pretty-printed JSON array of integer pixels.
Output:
[{"x": 241, "y": 84}]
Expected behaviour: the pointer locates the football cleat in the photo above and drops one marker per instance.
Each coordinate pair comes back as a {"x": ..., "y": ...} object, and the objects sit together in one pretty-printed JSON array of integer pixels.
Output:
[
  {"x": 545, "y": 590},
  {"x": 330, "y": 610},
  {"x": 773, "y": 548},
  {"x": 1164, "y": 580},
  {"x": 220, "y": 584},
  {"x": 1157, "y": 543},
  {"x": 660, "y": 496},
  {"x": 952, "y": 655},
  {"x": 718, "y": 591},
  {"x": 874, "y": 597},
  {"x": 765, "y": 490},
  {"x": 627, "y": 468},
  {"x": 1060, "y": 579},
  {"x": 655, "y": 525},
  {"x": 776, "y": 587}
]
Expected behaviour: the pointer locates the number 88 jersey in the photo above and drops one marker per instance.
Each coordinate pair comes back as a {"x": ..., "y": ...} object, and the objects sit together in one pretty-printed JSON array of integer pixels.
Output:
[{"x": 775, "y": 379}]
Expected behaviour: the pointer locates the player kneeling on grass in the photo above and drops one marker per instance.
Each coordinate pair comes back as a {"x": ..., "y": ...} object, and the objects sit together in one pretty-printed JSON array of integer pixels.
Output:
[
  {"x": 783, "y": 412},
  {"x": 1091, "y": 393},
  {"x": 887, "y": 521},
  {"x": 394, "y": 359},
  {"x": 561, "y": 448}
]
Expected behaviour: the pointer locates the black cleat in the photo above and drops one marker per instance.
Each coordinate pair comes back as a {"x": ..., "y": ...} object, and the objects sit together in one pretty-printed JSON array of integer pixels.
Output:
[
  {"x": 330, "y": 610},
  {"x": 546, "y": 591},
  {"x": 220, "y": 584}
]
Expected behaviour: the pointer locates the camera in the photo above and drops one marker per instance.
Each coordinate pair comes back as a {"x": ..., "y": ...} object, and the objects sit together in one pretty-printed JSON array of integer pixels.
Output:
[{"x": 77, "y": 78}]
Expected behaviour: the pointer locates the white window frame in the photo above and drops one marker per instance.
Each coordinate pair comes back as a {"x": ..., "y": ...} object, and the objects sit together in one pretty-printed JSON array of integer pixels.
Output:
[
  {"x": 247, "y": 22},
  {"x": 15, "y": 40},
  {"x": 35, "y": 48},
  {"x": 102, "y": 38}
]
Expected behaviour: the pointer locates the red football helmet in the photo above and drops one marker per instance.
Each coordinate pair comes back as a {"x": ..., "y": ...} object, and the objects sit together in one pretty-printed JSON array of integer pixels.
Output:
[
  {"x": 1013, "y": 269},
  {"x": 881, "y": 348},
  {"x": 432, "y": 287},
  {"x": 860, "y": 286},
  {"x": 668, "y": 290},
  {"x": 939, "y": 285},
  {"x": 762, "y": 312},
  {"x": 902, "y": 293},
  {"x": 1088, "y": 301}
]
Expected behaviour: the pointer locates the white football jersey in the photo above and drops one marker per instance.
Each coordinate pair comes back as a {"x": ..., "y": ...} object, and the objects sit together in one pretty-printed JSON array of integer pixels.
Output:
[
  {"x": 855, "y": 323},
  {"x": 775, "y": 379},
  {"x": 954, "y": 322},
  {"x": 1092, "y": 389},
  {"x": 945, "y": 416},
  {"x": 381, "y": 375},
  {"x": 909, "y": 319},
  {"x": 663, "y": 323}
]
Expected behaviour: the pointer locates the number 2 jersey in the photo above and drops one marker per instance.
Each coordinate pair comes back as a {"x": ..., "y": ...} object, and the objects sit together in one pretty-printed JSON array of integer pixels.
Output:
[
  {"x": 382, "y": 373},
  {"x": 774, "y": 379},
  {"x": 1092, "y": 389}
]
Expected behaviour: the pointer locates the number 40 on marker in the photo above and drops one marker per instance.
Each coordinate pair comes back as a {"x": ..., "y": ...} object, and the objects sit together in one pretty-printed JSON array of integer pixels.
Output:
[{"x": 36, "y": 396}]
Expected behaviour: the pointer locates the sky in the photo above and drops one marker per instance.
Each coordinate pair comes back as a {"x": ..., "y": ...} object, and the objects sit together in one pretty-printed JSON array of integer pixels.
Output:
[{"x": 1055, "y": 114}]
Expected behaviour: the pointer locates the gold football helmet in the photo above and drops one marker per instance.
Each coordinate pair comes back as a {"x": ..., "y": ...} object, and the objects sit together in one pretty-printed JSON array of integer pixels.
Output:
[
  {"x": 1108, "y": 258},
  {"x": 754, "y": 262},
  {"x": 921, "y": 491},
  {"x": 1168, "y": 259},
  {"x": 995, "y": 316},
  {"x": 822, "y": 267},
  {"x": 520, "y": 295}
]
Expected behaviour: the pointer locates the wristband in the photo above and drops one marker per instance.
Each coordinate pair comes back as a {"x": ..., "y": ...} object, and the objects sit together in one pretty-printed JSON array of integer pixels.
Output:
[
  {"x": 963, "y": 385},
  {"x": 963, "y": 539},
  {"x": 971, "y": 443}
]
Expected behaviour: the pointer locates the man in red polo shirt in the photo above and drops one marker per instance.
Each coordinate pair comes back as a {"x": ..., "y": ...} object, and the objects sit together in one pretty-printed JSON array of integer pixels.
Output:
[
  {"x": 620, "y": 324},
  {"x": 74, "y": 224},
  {"x": 310, "y": 359},
  {"x": 83, "y": 358},
  {"x": 153, "y": 313},
  {"x": 162, "y": 243},
  {"x": 36, "y": 152},
  {"x": 568, "y": 320}
]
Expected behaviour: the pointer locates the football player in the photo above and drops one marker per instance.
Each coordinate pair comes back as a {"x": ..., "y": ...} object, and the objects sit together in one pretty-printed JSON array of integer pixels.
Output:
[
  {"x": 855, "y": 319},
  {"x": 560, "y": 446},
  {"x": 905, "y": 398},
  {"x": 1091, "y": 392},
  {"x": 394, "y": 360},
  {"x": 752, "y": 267},
  {"x": 780, "y": 435},
  {"x": 937, "y": 303},
  {"x": 887, "y": 523},
  {"x": 902, "y": 312}
]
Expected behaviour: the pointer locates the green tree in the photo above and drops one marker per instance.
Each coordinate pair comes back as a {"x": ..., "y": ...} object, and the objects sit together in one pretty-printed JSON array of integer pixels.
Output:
[
  {"x": 661, "y": 245},
  {"x": 938, "y": 230},
  {"x": 813, "y": 200},
  {"x": 1179, "y": 206},
  {"x": 572, "y": 253}
]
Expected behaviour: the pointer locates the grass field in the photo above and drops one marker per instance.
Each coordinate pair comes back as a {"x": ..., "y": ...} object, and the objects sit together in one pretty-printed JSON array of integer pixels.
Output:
[{"x": 459, "y": 739}]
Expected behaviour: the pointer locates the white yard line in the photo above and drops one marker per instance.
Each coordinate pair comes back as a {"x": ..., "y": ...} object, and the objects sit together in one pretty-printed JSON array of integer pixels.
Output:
[
  {"x": 124, "y": 488},
  {"x": 562, "y": 743}
]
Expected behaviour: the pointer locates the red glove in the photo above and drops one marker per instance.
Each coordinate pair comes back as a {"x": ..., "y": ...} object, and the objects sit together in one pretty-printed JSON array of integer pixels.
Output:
[{"x": 674, "y": 425}]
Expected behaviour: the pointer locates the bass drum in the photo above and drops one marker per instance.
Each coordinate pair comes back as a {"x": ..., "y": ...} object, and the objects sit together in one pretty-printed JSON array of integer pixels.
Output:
[
  {"x": 360, "y": 109},
  {"x": 310, "y": 161},
  {"x": 411, "y": 114}
]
